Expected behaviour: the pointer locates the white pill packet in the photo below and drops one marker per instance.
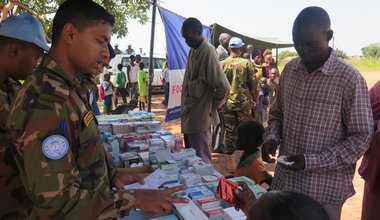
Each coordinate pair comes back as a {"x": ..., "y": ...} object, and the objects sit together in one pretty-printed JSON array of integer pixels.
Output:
[{"x": 281, "y": 159}]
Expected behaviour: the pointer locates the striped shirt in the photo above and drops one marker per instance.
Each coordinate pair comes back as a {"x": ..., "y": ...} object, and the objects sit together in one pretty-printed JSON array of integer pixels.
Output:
[{"x": 326, "y": 116}]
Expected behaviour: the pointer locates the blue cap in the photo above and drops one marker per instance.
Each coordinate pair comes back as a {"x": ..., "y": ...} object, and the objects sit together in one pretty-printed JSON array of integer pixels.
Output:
[
  {"x": 235, "y": 42},
  {"x": 24, "y": 27}
]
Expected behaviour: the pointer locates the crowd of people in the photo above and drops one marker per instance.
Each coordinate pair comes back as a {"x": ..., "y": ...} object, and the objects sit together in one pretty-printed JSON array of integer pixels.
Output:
[
  {"x": 320, "y": 118},
  {"x": 53, "y": 164},
  {"x": 136, "y": 87}
]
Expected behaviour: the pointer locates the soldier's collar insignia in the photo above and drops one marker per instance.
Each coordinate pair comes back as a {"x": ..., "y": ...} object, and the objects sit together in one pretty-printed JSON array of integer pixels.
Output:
[
  {"x": 1, "y": 106},
  {"x": 88, "y": 117},
  {"x": 55, "y": 146}
]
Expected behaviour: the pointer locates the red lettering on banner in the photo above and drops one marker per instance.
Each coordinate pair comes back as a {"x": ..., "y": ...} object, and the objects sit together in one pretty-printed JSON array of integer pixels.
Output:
[{"x": 176, "y": 89}]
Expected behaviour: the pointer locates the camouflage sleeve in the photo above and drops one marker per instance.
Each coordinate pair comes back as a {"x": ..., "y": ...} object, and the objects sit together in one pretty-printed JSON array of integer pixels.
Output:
[
  {"x": 254, "y": 82},
  {"x": 60, "y": 184}
]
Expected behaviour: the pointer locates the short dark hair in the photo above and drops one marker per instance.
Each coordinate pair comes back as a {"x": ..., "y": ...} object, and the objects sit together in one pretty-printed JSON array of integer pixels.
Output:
[
  {"x": 111, "y": 51},
  {"x": 192, "y": 24},
  {"x": 253, "y": 132},
  {"x": 256, "y": 52},
  {"x": 119, "y": 66},
  {"x": 132, "y": 57},
  {"x": 141, "y": 65},
  {"x": 81, "y": 13},
  {"x": 288, "y": 206},
  {"x": 313, "y": 16}
]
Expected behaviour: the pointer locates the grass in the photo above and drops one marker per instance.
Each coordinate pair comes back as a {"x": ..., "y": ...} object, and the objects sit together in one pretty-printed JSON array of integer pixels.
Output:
[
  {"x": 366, "y": 64},
  {"x": 362, "y": 64}
]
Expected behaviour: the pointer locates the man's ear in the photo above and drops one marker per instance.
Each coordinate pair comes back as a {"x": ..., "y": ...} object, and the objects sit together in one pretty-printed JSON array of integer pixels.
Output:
[
  {"x": 330, "y": 34},
  {"x": 69, "y": 33},
  {"x": 14, "y": 50}
]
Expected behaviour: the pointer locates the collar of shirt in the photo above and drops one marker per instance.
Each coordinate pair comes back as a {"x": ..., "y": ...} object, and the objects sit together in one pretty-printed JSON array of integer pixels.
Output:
[
  {"x": 200, "y": 48},
  {"x": 248, "y": 161},
  {"x": 50, "y": 64},
  {"x": 224, "y": 49},
  {"x": 326, "y": 68}
]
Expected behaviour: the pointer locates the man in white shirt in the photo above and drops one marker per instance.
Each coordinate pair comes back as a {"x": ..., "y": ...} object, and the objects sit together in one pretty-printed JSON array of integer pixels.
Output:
[{"x": 132, "y": 76}]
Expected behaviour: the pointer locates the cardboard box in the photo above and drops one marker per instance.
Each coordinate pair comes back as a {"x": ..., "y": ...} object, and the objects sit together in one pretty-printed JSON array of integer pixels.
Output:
[
  {"x": 232, "y": 214},
  {"x": 216, "y": 213},
  {"x": 189, "y": 211},
  {"x": 208, "y": 203}
]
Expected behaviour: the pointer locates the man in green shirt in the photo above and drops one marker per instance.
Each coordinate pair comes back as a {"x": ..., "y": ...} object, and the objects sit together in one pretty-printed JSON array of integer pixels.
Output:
[{"x": 120, "y": 85}]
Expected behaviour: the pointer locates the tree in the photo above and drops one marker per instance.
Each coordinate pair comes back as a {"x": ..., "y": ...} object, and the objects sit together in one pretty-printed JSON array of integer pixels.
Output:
[
  {"x": 341, "y": 53},
  {"x": 371, "y": 51},
  {"x": 123, "y": 10},
  {"x": 286, "y": 53}
]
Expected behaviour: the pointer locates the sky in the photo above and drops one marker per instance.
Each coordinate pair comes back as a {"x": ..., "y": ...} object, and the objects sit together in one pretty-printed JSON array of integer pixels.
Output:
[{"x": 355, "y": 23}]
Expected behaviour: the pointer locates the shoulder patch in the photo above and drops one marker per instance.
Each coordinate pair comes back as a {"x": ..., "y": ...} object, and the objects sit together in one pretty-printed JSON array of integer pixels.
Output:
[
  {"x": 55, "y": 146},
  {"x": 88, "y": 117}
]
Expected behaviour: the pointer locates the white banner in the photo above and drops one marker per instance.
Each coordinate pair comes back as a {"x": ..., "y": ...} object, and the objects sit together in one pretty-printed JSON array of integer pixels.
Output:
[{"x": 175, "y": 93}]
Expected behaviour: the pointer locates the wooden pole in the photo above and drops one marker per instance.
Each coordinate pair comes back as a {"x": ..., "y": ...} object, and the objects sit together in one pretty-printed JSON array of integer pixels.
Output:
[{"x": 151, "y": 74}]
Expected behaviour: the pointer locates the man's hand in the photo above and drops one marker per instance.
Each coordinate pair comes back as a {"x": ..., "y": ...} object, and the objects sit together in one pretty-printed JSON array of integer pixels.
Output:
[
  {"x": 159, "y": 202},
  {"x": 269, "y": 148},
  {"x": 123, "y": 178},
  {"x": 245, "y": 198},
  {"x": 299, "y": 162}
]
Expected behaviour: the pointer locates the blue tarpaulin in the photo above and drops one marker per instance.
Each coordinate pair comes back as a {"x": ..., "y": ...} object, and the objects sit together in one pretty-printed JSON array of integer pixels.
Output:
[{"x": 177, "y": 52}]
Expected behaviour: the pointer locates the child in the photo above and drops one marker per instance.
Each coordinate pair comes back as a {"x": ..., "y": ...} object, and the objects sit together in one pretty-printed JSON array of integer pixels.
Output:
[
  {"x": 107, "y": 86},
  {"x": 249, "y": 139},
  {"x": 261, "y": 114},
  {"x": 273, "y": 83},
  {"x": 121, "y": 79},
  {"x": 143, "y": 86}
]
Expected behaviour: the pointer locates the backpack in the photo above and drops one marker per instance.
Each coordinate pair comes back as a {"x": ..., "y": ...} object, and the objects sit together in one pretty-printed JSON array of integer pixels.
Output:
[{"x": 101, "y": 91}]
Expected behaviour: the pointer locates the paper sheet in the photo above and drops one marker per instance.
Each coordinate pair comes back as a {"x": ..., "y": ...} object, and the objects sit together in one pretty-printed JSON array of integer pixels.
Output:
[{"x": 153, "y": 181}]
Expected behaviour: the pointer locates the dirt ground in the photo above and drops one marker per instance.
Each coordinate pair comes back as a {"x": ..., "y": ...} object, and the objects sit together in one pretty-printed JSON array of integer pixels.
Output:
[{"x": 351, "y": 209}]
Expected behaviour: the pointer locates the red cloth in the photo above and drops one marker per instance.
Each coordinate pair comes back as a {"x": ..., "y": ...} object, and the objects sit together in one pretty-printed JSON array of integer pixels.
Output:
[
  {"x": 226, "y": 190},
  {"x": 370, "y": 167}
]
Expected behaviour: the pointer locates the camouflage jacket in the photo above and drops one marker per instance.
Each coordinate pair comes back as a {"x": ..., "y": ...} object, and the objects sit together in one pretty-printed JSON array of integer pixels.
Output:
[
  {"x": 244, "y": 90},
  {"x": 14, "y": 202},
  {"x": 59, "y": 152},
  {"x": 88, "y": 85}
]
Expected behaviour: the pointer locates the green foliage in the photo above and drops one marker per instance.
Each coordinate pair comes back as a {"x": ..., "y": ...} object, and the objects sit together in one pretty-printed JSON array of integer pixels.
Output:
[
  {"x": 371, "y": 51},
  {"x": 366, "y": 64},
  {"x": 123, "y": 10},
  {"x": 340, "y": 53},
  {"x": 285, "y": 54}
]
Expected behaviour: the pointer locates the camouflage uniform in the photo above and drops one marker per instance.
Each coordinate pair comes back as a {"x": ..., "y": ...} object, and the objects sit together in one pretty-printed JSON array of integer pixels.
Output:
[
  {"x": 14, "y": 202},
  {"x": 89, "y": 89},
  {"x": 67, "y": 177},
  {"x": 243, "y": 93}
]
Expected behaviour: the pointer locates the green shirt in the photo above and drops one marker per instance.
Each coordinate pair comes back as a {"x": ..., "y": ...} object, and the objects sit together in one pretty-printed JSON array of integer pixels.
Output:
[
  {"x": 120, "y": 80},
  {"x": 142, "y": 80},
  {"x": 60, "y": 155}
]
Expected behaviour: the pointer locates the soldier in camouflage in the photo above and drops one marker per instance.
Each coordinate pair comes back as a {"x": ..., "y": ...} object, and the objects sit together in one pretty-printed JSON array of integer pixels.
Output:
[
  {"x": 243, "y": 94},
  {"x": 22, "y": 42},
  {"x": 57, "y": 147}
]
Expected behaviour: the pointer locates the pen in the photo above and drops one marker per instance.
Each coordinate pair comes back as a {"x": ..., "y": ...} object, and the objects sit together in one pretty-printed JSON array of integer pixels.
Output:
[{"x": 62, "y": 125}]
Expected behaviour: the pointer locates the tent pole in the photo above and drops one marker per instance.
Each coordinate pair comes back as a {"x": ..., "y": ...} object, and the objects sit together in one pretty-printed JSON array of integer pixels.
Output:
[
  {"x": 277, "y": 55},
  {"x": 154, "y": 6}
]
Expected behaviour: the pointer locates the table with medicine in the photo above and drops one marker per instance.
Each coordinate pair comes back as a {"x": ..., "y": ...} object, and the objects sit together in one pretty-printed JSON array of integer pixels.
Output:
[{"x": 138, "y": 143}]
